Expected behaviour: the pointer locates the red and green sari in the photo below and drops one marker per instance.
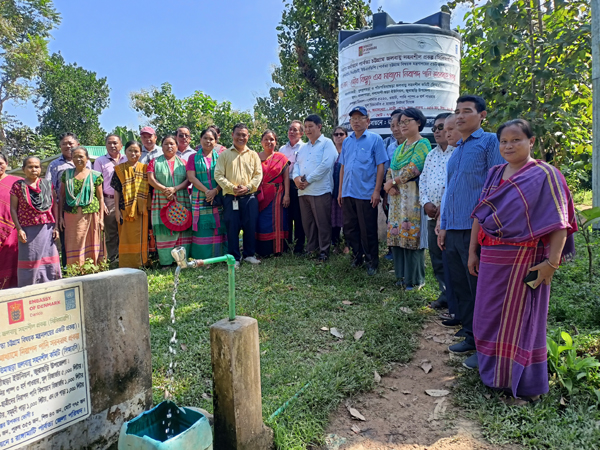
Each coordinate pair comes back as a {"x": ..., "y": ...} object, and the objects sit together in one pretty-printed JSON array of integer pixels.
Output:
[{"x": 272, "y": 228}]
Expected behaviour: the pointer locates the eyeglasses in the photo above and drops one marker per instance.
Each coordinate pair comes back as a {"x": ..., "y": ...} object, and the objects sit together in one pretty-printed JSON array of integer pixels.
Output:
[
  {"x": 437, "y": 127},
  {"x": 405, "y": 122},
  {"x": 339, "y": 134},
  {"x": 357, "y": 118}
]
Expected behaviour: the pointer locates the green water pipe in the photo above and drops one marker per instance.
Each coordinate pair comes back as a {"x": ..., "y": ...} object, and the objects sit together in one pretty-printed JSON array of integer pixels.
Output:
[
  {"x": 231, "y": 273},
  {"x": 286, "y": 404}
]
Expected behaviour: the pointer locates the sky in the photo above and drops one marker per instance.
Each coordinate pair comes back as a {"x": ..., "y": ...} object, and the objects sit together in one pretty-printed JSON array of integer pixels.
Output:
[{"x": 226, "y": 49}]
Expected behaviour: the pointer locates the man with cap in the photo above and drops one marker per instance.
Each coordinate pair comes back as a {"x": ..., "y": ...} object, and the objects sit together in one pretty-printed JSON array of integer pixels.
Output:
[
  {"x": 184, "y": 137},
  {"x": 363, "y": 158},
  {"x": 150, "y": 150}
]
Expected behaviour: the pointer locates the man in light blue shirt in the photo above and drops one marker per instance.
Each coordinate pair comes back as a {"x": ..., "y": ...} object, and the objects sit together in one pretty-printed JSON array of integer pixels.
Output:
[
  {"x": 363, "y": 158},
  {"x": 313, "y": 175}
]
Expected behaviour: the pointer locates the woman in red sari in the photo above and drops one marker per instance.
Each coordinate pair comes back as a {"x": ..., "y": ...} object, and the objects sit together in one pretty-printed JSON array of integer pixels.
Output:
[
  {"x": 9, "y": 250},
  {"x": 273, "y": 199},
  {"x": 524, "y": 226}
]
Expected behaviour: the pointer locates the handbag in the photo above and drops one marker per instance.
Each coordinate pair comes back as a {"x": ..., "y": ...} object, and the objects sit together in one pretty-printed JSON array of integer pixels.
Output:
[
  {"x": 217, "y": 201},
  {"x": 175, "y": 216}
]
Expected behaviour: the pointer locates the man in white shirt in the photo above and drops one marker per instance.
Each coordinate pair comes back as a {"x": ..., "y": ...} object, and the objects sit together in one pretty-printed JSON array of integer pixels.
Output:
[
  {"x": 431, "y": 187},
  {"x": 294, "y": 216},
  {"x": 184, "y": 137},
  {"x": 313, "y": 176},
  {"x": 150, "y": 150}
]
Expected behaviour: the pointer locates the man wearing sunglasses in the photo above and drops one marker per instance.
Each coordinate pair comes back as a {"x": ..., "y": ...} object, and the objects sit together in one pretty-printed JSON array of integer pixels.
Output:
[{"x": 431, "y": 187}]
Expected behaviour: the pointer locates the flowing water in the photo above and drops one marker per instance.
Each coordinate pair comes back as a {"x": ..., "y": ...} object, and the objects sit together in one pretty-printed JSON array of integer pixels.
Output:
[{"x": 169, "y": 431}]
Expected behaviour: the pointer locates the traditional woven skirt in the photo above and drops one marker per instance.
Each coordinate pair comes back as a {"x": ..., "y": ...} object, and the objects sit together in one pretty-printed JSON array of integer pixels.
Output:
[
  {"x": 509, "y": 323},
  {"x": 133, "y": 242},
  {"x": 39, "y": 260},
  {"x": 8, "y": 261},
  {"x": 209, "y": 242},
  {"x": 83, "y": 238},
  {"x": 272, "y": 227}
]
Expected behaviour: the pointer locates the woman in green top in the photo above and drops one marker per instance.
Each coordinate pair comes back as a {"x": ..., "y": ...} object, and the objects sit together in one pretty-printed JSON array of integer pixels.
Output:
[
  {"x": 168, "y": 176},
  {"x": 83, "y": 203},
  {"x": 404, "y": 234}
]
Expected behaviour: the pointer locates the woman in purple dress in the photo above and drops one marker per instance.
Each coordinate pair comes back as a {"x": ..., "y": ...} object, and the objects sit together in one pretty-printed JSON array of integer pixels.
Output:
[
  {"x": 337, "y": 219},
  {"x": 523, "y": 226}
]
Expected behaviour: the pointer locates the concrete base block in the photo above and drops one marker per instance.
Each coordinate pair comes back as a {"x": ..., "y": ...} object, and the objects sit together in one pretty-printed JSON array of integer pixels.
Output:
[{"x": 237, "y": 396}]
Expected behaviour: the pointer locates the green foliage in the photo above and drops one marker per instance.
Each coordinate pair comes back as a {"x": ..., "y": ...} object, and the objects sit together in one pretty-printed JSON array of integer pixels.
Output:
[
  {"x": 21, "y": 142},
  {"x": 306, "y": 81},
  {"x": 25, "y": 27},
  {"x": 70, "y": 98},
  {"x": 532, "y": 59},
  {"x": 125, "y": 134},
  {"x": 571, "y": 370},
  {"x": 165, "y": 113},
  {"x": 88, "y": 267}
]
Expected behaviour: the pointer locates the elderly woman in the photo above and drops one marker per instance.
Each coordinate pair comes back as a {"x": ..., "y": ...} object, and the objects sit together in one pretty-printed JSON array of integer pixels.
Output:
[
  {"x": 337, "y": 218},
  {"x": 274, "y": 198},
  {"x": 33, "y": 209},
  {"x": 82, "y": 202},
  {"x": 405, "y": 215},
  {"x": 208, "y": 228},
  {"x": 523, "y": 226},
  {"x": 168, "y": 176},
  {"x": 130, "y": 183},
  {"x": 8, "y": 232}
]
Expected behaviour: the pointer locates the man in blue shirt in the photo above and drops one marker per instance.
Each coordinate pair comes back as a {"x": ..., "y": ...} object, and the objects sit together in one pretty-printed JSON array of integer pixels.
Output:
[
  {"x": 363, "y": 158},
  {"x": 476, "y": 153},
  {"x": 313, "y": 175}
]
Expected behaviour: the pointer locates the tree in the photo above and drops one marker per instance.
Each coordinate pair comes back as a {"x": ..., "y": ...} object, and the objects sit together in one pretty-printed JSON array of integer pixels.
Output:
[
  {"x": 70, "y": 98},
  {"x": 21, "y": 142},
  {"x": 307, "y": 78},
  {"x": 532, "y": 59},
  {"x": 25, "y": 27},
  {"x": 165, "y": 113}
]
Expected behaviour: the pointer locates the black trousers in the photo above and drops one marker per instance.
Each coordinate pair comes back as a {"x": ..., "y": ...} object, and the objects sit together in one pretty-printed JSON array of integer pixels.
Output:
[
  {"x": 360, "y": 230},
  {"x": 294, "y": 217},
  {"x": 463, "y": 283},
  {"x": 437, "y": 260},
  {"x": 245, "y": 218}
]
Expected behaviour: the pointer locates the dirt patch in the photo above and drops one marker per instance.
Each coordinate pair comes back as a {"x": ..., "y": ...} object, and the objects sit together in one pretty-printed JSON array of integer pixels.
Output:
[{"x": 399, "y": 414}]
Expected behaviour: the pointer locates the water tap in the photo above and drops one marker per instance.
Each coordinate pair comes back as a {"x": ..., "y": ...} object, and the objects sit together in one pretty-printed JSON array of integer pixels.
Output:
[{"x": 179, "y": 255}]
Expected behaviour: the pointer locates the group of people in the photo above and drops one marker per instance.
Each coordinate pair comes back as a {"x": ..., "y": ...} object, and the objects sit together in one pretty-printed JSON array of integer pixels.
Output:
[{"x": 497, "y": 222}]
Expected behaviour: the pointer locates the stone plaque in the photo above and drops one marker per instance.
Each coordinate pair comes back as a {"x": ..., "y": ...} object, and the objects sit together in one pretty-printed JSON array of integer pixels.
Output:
[{"x": 44, "y": 384}]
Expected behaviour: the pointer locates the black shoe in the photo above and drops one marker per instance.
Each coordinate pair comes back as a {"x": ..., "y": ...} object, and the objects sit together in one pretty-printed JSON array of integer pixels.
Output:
[
  {"x": 323, "y": 258},
  {"x": 451, "y": 323},
  {"x": 400, "y": 284},
  {"x": 356, "y": 264},
  {"x": 438, "y": 305},
  {"x": 371, "y": 271},
  {"x": 462, "y": 347},
  {"x": 460, "y": 333}
]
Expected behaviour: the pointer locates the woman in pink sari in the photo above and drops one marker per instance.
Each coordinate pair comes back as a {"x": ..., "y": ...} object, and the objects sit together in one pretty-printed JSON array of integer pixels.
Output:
[
  {"x": 273, "y": 199},
  {"x": 524, "y": 225},
  {"x": 9, "y": 250}
]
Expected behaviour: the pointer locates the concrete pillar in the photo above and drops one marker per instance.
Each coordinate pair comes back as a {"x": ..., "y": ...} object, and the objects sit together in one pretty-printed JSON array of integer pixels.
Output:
[{"x": 237, "y": 398}]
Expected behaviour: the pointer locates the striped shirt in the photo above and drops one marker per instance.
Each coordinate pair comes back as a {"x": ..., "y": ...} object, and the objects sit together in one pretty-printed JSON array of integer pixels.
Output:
[{"x": 468, "y": 168}]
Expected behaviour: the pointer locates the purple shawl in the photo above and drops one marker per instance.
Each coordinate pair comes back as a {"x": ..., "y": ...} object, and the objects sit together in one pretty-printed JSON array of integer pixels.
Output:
[{"x": 532, "y": 203}]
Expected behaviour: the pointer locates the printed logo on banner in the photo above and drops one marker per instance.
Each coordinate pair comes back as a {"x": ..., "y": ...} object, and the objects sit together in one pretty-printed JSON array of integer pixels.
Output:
[
  {"x": 15, "y": 312},
  {"x": 360, "y": 51},
  {"x": 422, "y": 44},
  {"x": 70, "y": 299}
]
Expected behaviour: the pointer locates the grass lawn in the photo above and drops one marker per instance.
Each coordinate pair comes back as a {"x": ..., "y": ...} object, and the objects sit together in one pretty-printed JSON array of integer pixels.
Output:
[{"x": 292, "y": 298}]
